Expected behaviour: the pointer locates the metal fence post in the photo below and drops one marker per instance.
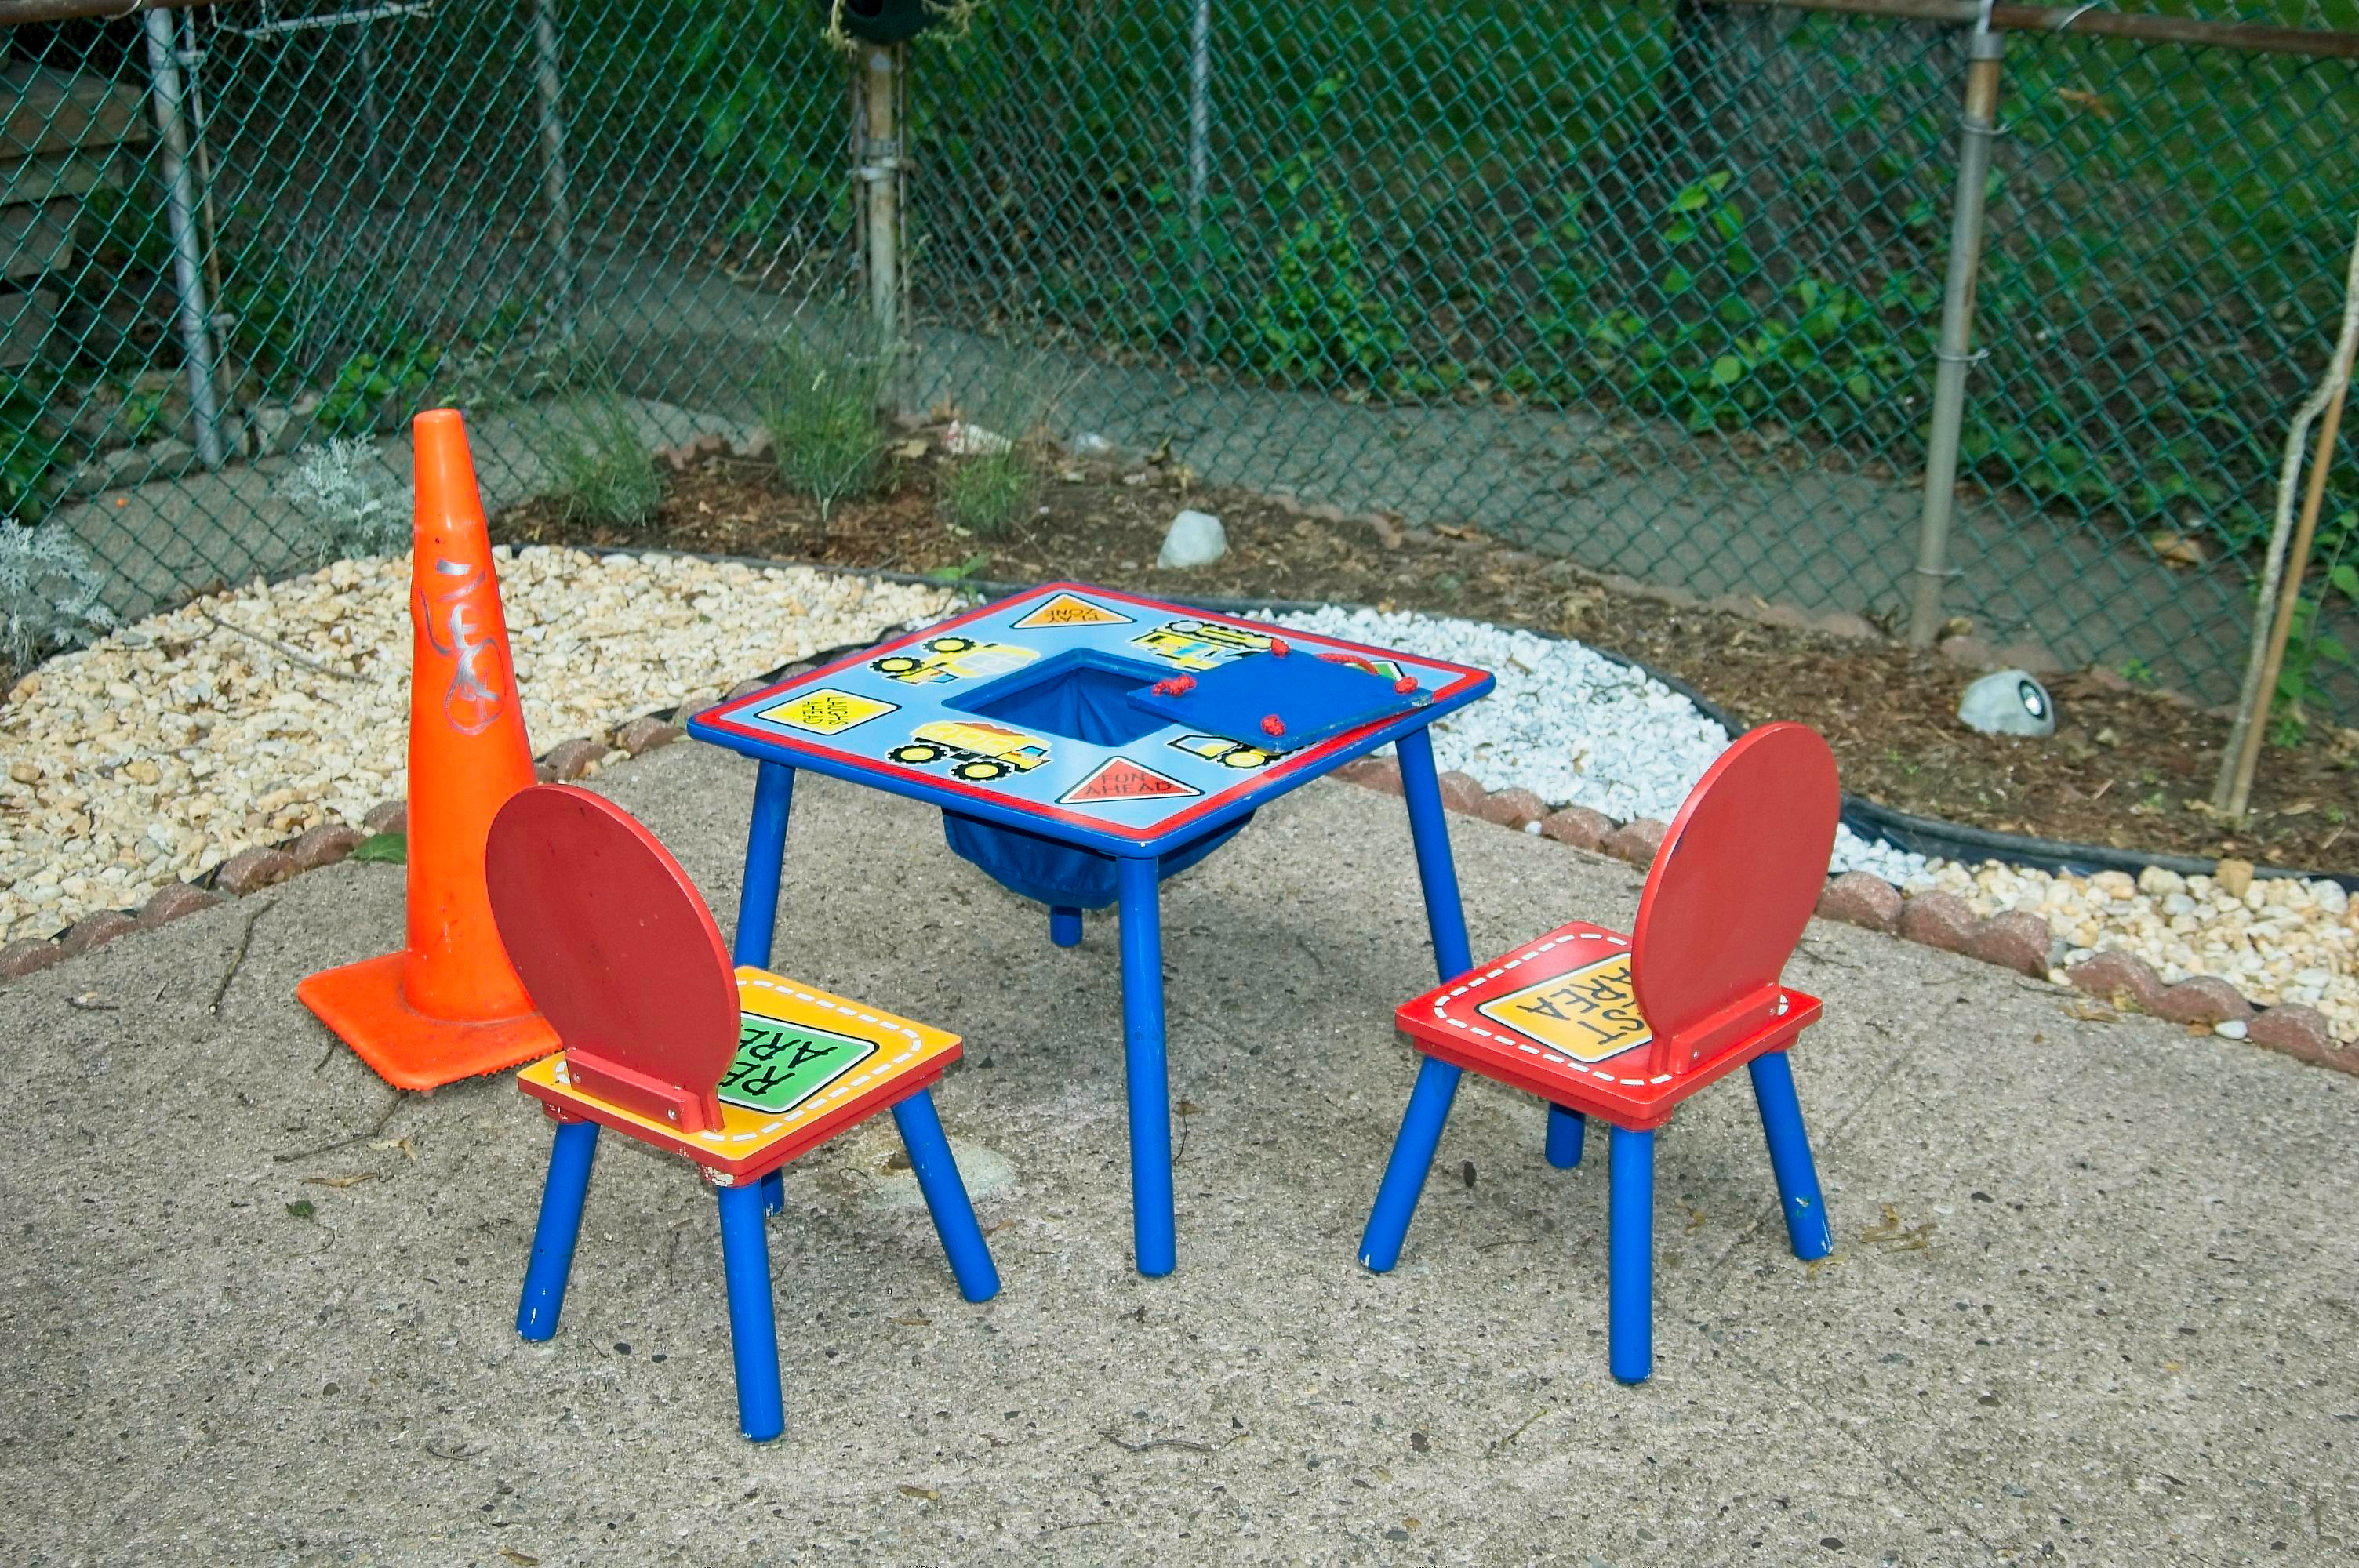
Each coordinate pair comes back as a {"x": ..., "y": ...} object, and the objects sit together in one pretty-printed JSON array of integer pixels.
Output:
[
  {"x": 181, "y": 210},
  {"x": 880, "y": 170},
  {"x": 1200, "y": 169},
  {"x": 549, "y": 80},
  {"x": 1976, "y": 125}
]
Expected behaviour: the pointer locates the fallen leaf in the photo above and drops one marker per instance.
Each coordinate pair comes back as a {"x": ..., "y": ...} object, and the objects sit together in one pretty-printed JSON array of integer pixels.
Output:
[
  {"x": 924, "y": 1494},
  {"x": 912, "y": 448},
  {"x": 1190, "y": 1108},
  {"x": 521, "y": 1559},
  {"x": 2177, "y": 550},
  {"x": 408, "y": 1151},
  {"x": 301, "y": 1208}
]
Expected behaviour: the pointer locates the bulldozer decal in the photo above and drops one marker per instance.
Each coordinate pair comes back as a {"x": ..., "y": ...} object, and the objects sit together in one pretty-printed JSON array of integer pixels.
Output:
[
  {"x": 945, "y": 659},
  {"x": 1222, "y": 749},
  {"x": 1199, "y": 645},
  {"x": 976, "y": 751}
]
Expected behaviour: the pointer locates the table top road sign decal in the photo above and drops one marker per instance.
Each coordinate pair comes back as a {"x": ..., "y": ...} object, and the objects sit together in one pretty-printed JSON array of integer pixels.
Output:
[
  {"x": 1589, "y": 1014},
  {"x": 808, "y": 1062},
  {"x": 1070, "y": 610},
  {"x": 1017, "y": 713}
]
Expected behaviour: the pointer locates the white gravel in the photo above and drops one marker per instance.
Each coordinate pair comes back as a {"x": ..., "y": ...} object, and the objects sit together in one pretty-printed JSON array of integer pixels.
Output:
[
  {"x": 1571, "y": 726},
  {"x": 169, "y": 747}
]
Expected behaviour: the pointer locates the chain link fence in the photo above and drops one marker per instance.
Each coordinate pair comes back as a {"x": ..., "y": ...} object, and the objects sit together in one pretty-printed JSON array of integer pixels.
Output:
[{"x": 1656, "y": 286}]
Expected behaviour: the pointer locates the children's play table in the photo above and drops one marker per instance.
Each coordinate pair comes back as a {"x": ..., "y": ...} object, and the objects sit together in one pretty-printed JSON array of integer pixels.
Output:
[{"x": 1082, "y": 745}]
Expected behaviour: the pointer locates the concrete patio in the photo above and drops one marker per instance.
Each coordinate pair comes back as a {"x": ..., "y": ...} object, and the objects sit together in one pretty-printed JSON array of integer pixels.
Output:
[{"x": 2096, "y": 1299}]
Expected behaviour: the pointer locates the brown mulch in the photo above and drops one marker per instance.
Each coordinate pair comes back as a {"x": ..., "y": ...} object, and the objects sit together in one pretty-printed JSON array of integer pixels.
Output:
[{"x": 2129, "y": 768}]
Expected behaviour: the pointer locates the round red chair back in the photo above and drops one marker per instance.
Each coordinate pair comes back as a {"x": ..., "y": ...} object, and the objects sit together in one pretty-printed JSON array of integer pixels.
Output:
[
  {"x": 1731, "y": 890},
  {"x": 616, "y": 950}
]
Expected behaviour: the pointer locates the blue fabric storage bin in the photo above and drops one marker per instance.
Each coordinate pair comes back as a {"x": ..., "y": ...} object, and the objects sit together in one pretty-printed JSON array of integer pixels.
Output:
[{"x": 1055, "y": 873}]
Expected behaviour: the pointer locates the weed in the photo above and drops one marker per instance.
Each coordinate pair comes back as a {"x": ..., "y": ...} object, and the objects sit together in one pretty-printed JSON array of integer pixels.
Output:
[
  {"x": 821, "y": 401},
  {"x": 2309, "y": 653},
  {"x": 48, "y": 593},
  {"x": 984, "y": 494},
  {"x": 346, "y": 507},
  {"x": 604, "y": 471},
  {"x": 966, "y": 570}
]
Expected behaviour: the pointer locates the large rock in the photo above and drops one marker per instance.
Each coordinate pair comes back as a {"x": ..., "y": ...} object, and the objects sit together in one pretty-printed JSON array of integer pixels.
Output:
[{"x": 1194, "y": 539}]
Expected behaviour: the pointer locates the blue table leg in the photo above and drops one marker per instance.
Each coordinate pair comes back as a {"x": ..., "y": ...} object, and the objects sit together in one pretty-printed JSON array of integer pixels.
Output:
[
  {"x": 774, "y": 1192},
  {"x": 1152, "y": 1224},
  {"x": 1789, "y": 1156},
  {"x": 1405, "y": 1172},
  {"x": 1566, "y": 1130},
  {"x": 1630, "y": 1257},
  {"x": 946, "y": 1199},
  {"x": 558, "y": 1227},
  {"x": 1437, "y": 1081},
  {"x": 753, "y": 1323},
  {"x": 1064, "y": 926},
  {"x": 1429, "y": 830},
  {"x": 766, "y": 848}
]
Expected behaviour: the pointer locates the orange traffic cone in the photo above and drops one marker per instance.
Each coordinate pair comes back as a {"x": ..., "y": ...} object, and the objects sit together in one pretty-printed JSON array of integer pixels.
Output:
[{"x": 448, "y": 1006}]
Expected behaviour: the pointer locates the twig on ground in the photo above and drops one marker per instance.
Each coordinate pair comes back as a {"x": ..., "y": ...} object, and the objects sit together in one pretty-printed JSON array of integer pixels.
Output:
[
  {"x": 1186, "y": 1442},
  {"x": 1523, "y": 1429},
  {"x": 237, "y": 959},
  {"x": 1507, "y": 1241},
  {"x": 273, "y": 644},
  {"x": 342, "y": 1142}
]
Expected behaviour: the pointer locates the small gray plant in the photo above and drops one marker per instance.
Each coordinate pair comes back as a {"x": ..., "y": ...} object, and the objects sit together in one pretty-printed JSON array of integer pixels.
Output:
[
  {"x": 48, "y": 593},
  {"x": 346, "y": 506}
]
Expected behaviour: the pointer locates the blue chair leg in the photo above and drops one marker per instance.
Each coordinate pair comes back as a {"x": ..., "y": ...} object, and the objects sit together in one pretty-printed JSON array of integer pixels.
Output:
[
  {"x": 558, "y": 1227},
  {"x": 752, "y": 1323},
  {"x": 946, "y": 1199},
  {"x": 1429, "y": 830},
  {"x": 766, "y": 848},
  {"x": 1630, "y": 1257},
  {"x": 774, "y": 1192},
  {"x": 1153, "y": 1227},
  {"x": 1790, "y": 1155},
  {"x": 1566, "y": 1132},
  {"x": 1064, "y": 926},
  {"x": 1412, "y": 1157}
]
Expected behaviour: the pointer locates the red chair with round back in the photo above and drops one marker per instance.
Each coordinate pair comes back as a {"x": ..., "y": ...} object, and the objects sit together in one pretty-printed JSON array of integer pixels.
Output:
[
  {"x": 739, "y": 1070},
  {"x": 1624, "y": 1028}
]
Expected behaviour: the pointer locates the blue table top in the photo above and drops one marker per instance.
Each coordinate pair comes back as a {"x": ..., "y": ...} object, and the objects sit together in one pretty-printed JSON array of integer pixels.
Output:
[{"x": 1016, "y": 713}]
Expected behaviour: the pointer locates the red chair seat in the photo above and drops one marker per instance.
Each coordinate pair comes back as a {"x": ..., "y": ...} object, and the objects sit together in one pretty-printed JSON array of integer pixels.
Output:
[
  {"x": 767, "y": 1121},
  {"x": 1557, "y": 1018}
]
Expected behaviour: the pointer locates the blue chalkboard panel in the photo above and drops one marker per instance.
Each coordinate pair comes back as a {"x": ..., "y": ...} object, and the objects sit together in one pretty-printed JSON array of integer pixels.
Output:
[{"x": 1284, "y": 700}]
